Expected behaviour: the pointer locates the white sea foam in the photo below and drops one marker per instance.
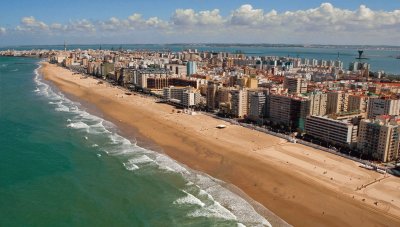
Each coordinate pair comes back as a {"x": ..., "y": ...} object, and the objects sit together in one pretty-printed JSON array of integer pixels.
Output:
[
  {"x": 62, "y": 108},
  {"x": 130, "y": 166},
  {"x": 211, "y": 199},
  {"x": 117, "y": 139},
  {"x": 78, "y": 125},
  {"x": 189, "y": 199},
  {"x": 215, "y": 210},
  {"x": 143, "y": 159},
  {"x": 168, "y": 164},
  {"x": 233, "y": 203}
]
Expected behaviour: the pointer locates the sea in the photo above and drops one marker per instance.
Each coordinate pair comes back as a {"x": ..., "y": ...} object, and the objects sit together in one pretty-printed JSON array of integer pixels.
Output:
[
  {"x": 62, "y": 164},
  {"x": 380, "y": 58}
]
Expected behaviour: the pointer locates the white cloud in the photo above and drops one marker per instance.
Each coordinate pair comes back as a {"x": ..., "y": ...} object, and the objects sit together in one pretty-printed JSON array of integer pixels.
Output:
[
  {"x": 83, "y": 25},
  {"x": 2, "y": 31},
  {"x": 188, "y": 17},
  {"x": 246, "y": 15},
  {"x": 31, "y": 24},
  {"x": 246, "y": 23}
]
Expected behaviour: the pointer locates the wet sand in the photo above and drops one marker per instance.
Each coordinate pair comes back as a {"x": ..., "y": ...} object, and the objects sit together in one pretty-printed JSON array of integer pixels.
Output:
[{"x": 302, "y": 185}]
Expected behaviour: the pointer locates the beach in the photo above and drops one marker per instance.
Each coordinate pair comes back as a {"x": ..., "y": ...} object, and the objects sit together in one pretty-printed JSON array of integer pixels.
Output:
[{"x": 302, "y": 185}]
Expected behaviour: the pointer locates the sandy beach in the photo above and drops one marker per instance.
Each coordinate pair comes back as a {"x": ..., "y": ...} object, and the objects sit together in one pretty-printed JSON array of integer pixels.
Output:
[{"x": 302, "y": 185}]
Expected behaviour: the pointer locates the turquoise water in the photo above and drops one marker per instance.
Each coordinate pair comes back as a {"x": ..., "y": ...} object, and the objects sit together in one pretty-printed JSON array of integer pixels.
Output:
[
  {"x": 380, "y": 58},
  {"x": 61, "y": 166}
]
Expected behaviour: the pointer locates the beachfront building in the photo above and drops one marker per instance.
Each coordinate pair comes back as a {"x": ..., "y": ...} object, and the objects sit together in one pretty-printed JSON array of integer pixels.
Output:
[
  {"x": 140, "y": 76},
  {"x": 337, "y": 132},
  {"x": 212, "y": 88},
  {"x": 337, "y": 101},
  {"x": 182, "y": 96},
  {"x": 223, "y": 96},
  {"x": 257, "y": 105},
  {"x": 383, "y": 106},
  {"x": 289, "y": 111},
  {"x": 239, "y": 103},
  {"x": 296, "y": 85},
  {"x": 106, "y": 68},
  {"x": 379, "y": 138}
]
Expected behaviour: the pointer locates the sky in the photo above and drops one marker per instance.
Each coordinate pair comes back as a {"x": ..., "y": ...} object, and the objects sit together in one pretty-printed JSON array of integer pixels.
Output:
[{"x": 27, "y": 22}]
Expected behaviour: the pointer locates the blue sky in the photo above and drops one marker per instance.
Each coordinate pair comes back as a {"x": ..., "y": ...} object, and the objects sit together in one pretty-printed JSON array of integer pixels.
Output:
[{"x": 87, "y": 21}]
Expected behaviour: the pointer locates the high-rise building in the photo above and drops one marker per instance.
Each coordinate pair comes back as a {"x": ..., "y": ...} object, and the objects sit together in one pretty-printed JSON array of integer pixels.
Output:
[
  {"x": 383, "y": 106},
  {"x": 379, "y": 138},
  {"x": 239, "y": 103},
  {"x": 106, "y": 68},
  {"x": 295, "y": 85},
  {"x": 223, "y": 95},
  {"x": 337, "y": 132},
  {"x": 211, "y": 94},
  {"x": 252, "y": 83},
  {"x": 257, "y": 105},
  {"x": 183, "y": 96},
  {"x": 358, "y": 102},
  {"x": 191, "y": 68},
  {"x": 337, "y": 101},
  {"x": 288, "y": 111},
  {"x": 318, "y": 103}
]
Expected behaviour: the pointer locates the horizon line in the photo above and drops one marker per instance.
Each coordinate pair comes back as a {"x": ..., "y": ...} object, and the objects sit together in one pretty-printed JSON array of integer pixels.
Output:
[{"x": 209, "y": 43}]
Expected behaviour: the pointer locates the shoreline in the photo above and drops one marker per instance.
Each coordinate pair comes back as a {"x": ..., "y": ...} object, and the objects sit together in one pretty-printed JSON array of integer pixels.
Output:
[
  {"x": 256, "y": 163},
  {"x": 146, "y": 143}
]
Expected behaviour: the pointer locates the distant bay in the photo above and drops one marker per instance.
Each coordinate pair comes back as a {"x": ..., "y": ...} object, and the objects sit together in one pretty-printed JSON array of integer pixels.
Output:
[{"x": 379, "y": 57}]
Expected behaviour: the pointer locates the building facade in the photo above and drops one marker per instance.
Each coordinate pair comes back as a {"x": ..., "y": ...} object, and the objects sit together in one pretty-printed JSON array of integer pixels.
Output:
[
  {"x": 383, "y": 106},
  {"x": 379, "y": 138},
  {"x": 337, "y": 132},
  {"x": 296, "y": 85},
  {"x": 337, "y": 102}
]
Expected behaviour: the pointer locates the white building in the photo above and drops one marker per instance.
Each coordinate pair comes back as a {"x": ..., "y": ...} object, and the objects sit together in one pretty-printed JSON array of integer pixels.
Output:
[{"x": 383, "y": 106}]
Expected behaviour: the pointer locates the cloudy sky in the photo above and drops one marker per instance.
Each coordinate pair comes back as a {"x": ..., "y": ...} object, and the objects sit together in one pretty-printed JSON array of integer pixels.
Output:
[{"x": 27, "y": 22}]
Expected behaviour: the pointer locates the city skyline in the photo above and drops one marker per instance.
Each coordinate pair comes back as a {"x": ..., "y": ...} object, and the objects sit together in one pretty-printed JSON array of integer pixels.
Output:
[{"x": 313, "y": 22}]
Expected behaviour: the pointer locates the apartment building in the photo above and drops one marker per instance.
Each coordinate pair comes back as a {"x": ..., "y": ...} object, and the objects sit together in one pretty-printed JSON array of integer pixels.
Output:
[
  {"x": 257, "y": 105},
  {"x": 318, "y": 101},
  {"x": 337, "y": 101},
  {"x": 296, "y": 85},
  {"x": 337, "y": 132},
  {"x": 358, "y": 103},
  {"x": 290, "y": 111},
  {"x": 239, "y": 103},
  {"x": 379, "y": 138},
  {"x": 383, "y": 106}
]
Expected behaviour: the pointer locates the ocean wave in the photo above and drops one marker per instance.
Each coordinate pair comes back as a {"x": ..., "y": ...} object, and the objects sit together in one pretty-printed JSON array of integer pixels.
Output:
[
  {"x": 142, "y": 159},
  {"x": 62, "y": 108},
  {"x": 78, "y": 125},
  {"x": 214, "y": 211},
  {"x": 207, "y": 194},
  {"x": 189, "y": 199},
  {"x": 168, "y": 164},
  {"x": 130, "y": 166}
]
